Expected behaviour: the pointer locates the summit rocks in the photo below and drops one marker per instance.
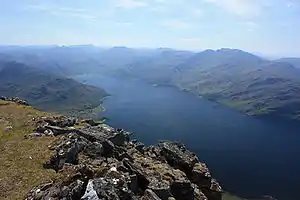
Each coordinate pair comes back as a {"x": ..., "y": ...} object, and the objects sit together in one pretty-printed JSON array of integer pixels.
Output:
[{"x": 100, "y": 162}]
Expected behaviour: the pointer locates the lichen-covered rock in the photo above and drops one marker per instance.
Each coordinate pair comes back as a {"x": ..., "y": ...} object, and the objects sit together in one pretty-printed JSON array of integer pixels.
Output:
[
  {"x": 99, "y": 162},
  {"x": 178, "y": 156},
  {"x": 67, "y": 151},
  {"x": 198, "y": 195},
  {"x": 114, "y": 185},
  {"x": 140, "y": 147},
  {"x": 214, "y": 192},
  {"x": 94, "y": 150},
  {"x": 104, "y": 132},
  {"x": 91, "y": 122},
  {"x": 57, "y": 130},
  {"x": 201, "y": 175},
  {"x": 150, "y": 195},
  {"x": 59, "y": 191},
  {"x": 16, "y": 100},
  {"x": 61, "y": 121},
  {"x": 161, "y": 188}
]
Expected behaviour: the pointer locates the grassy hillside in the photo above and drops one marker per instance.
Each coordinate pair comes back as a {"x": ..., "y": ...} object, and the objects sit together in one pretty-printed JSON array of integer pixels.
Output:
[
  {"x": 232, "y": 77},
  {"x": 21, "y": 160},
  {"x": 256, "y": 88},
  {"x": 47, "y": 91},
  {"x": 238, "y": 79}
]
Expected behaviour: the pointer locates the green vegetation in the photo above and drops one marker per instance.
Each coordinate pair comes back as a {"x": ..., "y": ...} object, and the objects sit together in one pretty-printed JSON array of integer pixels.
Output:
[
  {"x": 232, "y": 77},
  {"x": 47, "y": 91},
  {"x": 21, "y": 161},
  {"x": 263, "y": 89},
  {"x": 238, "y": 79}
]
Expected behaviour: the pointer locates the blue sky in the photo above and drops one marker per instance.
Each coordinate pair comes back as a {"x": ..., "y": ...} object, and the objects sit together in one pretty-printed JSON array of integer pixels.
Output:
[{"x": 271, "y": 27}]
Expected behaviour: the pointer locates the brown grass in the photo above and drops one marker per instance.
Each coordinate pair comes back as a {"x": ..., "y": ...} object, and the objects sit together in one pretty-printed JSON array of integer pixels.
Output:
[{"x": 21, "y": 159}]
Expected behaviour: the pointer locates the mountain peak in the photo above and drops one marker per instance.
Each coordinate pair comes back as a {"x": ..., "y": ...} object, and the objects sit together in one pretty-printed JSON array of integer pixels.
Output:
[{"x": 229, "y": 50}]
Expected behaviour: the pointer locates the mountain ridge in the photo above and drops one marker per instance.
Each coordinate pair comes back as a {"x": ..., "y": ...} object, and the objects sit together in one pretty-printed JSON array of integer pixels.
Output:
[
  {"x": 45, "y": 90},
  {"x": 238, "y": 79}
]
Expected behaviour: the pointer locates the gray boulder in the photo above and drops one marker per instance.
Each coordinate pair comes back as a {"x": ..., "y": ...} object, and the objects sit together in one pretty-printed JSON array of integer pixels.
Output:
[
  {"x": 90, "y": 192},
  {"x": 182, "y": 189},
  {"x": 61, "y": 122},
  {"x": 94, "y": 150},
  {"x": 150, "y": 195},
  {"x": 178, "y": 156},
  {"x": 160, "y": 188},
  {"x": 67, "y": 152},
  {"x": 201, "y": 175}
]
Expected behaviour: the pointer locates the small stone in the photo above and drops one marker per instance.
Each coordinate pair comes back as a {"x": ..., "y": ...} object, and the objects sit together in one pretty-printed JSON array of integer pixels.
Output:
[
  {"x": 33, "y": 135},
  {"x": 113, "y": 169},
  {"x": 8, "y": 129},
  {"x": 48, "y": 132}
]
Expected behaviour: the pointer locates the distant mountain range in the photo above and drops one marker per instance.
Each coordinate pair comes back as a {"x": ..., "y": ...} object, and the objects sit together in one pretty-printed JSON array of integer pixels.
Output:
[
  {"x": 232, "y": 77},
  {"x": 293, "y": 61},
  {"x": 238, "y": 79}
]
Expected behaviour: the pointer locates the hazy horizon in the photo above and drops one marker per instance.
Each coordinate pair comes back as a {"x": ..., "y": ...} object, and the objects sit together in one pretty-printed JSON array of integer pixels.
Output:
[
  {"x": 268, "y": 28},
  {"x": 263, "y": 55}
]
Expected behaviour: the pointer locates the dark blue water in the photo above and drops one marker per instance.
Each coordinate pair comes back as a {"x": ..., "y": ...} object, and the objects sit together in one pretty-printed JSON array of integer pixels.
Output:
[{"x": 249, "y": 156}]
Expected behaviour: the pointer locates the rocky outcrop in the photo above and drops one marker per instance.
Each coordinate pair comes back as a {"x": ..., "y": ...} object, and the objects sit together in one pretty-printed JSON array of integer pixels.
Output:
[
  {"x": 91, "y": 122},
  {"x": 61, "y": 121},
  {"x": 16, "y": 100},
  {"x": 49, "y": 126},
  {"x": 100, "y": 162}
]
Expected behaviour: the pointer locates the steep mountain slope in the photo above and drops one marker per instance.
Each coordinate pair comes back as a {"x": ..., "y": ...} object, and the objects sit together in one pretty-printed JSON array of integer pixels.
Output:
[
  {"x": 246, "y": 82},
  {"x": 293, "y": 61},
  {"x": 74, "y": 60},
  {"x": 271, "y": 88},
  {"x": 45, "y": 90},
  {"x": 158, "y": 68},
  {"x": 211, "y": 58},
  {"x": 236, "y": 78},
  {"x": 64, "y": 60}
]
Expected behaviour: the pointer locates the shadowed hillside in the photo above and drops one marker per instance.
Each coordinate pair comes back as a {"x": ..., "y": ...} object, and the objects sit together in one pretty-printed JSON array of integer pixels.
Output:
[
  {"x": 238, "y": 79},
  {"x": 45, "y": 90}
]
